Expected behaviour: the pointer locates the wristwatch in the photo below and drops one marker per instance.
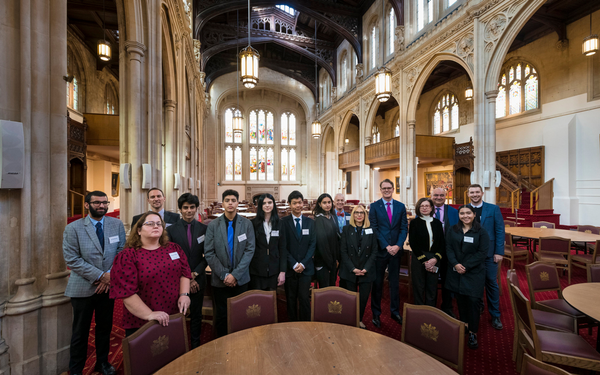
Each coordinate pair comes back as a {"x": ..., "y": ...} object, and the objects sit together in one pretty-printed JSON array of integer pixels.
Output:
[
  {"x": 184, "y": 294},
  {"x": 195, "y": 274}
]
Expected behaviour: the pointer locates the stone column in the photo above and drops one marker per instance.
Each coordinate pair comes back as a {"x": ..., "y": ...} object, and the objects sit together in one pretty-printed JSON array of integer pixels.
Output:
[
  {"x": 410, "y": 167},
  {"x": 132, "y": 134},
  {"x": 487, "y": 144},
  {"x": 170, "y": 167}
]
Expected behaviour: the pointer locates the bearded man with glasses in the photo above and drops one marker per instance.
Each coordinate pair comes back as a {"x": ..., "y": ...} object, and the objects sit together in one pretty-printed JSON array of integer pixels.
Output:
[{"x": 90, "y": 245}]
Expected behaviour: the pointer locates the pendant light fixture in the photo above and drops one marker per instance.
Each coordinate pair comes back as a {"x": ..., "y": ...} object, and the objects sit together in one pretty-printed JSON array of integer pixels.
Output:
[
  {"x": 316, "y": 125},
  {"x": 238, "y": 120},
  {"x": 469, "y": 91},
  {"x": 383, "y": 77},
  {"x": 249, "y": 59},
  {"x": 590, "y": 44},
  {"x": 104, "y": 51}
]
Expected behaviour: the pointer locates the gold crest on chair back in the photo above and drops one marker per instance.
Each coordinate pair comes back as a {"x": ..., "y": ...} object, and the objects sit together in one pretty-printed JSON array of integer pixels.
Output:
[
  {"x": 335, "y": 305},
  {"x": 251, "y": 309}
]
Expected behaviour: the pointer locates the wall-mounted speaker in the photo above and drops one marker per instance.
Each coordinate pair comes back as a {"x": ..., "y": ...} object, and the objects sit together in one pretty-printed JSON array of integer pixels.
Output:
[
  {"x": 407, "y": 182},
  {"x": 125, "y": 175},
  {"x": 177, "y": 183},
  {"x": 498, "y": 178},
  {"x": 197, "y": 184},
  {"x": 146, "y": 176},
  {"x": 12, "y": 155},
  {"x": 190, "y": 184}
]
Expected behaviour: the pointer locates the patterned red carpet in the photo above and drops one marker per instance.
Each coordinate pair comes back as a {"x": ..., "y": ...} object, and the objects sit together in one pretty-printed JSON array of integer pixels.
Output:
[{"x": 494, "y": 355}]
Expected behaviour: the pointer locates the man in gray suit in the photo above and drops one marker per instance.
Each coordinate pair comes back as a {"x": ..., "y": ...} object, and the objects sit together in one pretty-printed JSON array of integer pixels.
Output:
[
  {"x": 90, "y": 245},
  {"x": 228, "y": 249}
]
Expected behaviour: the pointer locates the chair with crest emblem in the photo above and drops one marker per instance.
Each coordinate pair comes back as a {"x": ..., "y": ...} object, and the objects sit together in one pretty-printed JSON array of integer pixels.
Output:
[
  {"x": 436, "y": 333},
  {"x": 543, "y": 277},
  {"x": 153, "y": 346},
  {"x": 335, "y": 305},
  {"x": 251, "y": 309}
]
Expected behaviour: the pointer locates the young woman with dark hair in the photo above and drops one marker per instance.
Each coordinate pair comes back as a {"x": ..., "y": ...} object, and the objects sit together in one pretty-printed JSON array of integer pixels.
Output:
[{"x": 327, "y": 253}]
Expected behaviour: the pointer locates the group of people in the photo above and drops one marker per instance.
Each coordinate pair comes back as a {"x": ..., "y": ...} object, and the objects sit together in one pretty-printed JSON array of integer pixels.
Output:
[{"x": 159, "y": 268}]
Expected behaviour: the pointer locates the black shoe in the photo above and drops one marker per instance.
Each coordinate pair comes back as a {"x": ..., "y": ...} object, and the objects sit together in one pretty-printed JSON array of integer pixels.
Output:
[
  {"x": 473, "y": 344},
  {"x": 105, "y": 369},
  {"x": 450, "y": 313},
  {"x": 376, "y": 322},
  {"x": 497, "y": 324},
  {"x": 397, "y": 318}
]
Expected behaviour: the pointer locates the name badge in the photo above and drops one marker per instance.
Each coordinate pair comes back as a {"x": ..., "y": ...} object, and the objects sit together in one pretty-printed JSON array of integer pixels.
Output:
[
  {"x": 174, "y": 256},
  {"x": 201, "y": 239},
  {"x": 274, "y": 233},
  {"x": 242, "y": 237},
  {"x": 305, "y": 232},
  {"x": 113, "y": 239},
  {"x": 368, "y": 231},
  {"x": 469, "y": 239}
]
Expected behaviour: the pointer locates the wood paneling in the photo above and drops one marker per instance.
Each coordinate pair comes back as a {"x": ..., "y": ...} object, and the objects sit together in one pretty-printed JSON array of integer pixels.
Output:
[
  {"x": 349, "y": 159},
  {"x": 434, "y": 147},
  {"x": 526, "y": 163},
  {"x": 383, "y": 151},
  {"x": 103, "y": 130}
]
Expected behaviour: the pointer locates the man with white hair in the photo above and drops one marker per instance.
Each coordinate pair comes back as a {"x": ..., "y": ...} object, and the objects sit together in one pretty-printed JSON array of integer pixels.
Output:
[{"x": 341, "y": 217}]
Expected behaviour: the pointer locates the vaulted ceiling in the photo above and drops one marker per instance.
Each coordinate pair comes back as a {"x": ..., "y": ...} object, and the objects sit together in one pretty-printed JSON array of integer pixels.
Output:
[{"x": 222, "y": 28}]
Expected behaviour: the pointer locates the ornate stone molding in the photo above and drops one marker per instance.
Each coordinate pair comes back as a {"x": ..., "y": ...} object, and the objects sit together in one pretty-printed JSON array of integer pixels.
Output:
[
  {"x": 491, "y": 95},
  {"x": 134, "y": 48},
  {"x": 368, "y": 140},
  {"x": 359, "y": 73},
  {"x": 495, "y": 27},
  {"x": 411, "y": 78},
  {"x": 55, "y": 292},
  {"x": 465, "y": 49},
  {"x": 411, "y": 124},
  {"x": 333, "y": 93},
  {"x": 25, "y": 300},
  {"x": 399, "y": 41},
  {"x": 170, "y": 104}
]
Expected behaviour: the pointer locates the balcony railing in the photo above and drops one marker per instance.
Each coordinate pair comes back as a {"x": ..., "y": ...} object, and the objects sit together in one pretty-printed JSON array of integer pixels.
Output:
[
  {"x": 383, "y": 151},
  {"x": 349, "y": 159}
]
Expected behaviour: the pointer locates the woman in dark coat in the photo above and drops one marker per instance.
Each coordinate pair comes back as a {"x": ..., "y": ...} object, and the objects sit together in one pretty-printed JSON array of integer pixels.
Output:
[
  {"x": 327, "y": 252},
  {"x": 358, "y": 251},
  {"x": 467, "y": 245},
  {"x": 428, "y": 244},
  {"x": 267, "y": 268}
]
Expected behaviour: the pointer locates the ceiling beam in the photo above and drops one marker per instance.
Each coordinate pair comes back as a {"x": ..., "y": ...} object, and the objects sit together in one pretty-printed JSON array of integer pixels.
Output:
[
  {"x": 111, "y": 37},
  {"x": 76, "y": 22},
  {"x": 110, "y": 6}
]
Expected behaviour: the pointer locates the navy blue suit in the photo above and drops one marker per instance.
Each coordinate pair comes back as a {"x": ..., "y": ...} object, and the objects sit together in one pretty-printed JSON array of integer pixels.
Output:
[
  {"x": 388, "y": 234},
  {"x": 491, "y": 220},
  {"x": 300, "y": 249}
]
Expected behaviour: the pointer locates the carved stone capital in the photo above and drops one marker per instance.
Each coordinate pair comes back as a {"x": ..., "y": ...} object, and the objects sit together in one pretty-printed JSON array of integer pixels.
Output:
[
  {"x": 136, "y": 50},
  {"x": 491, "y": 95},
  {"x": 368, "y": 140},
  {"x": 170, "y": 104},
  {"x": 55, "y": 292},
  {"x": 26, "y": 299},
  {"x": 411, "y": 124}
]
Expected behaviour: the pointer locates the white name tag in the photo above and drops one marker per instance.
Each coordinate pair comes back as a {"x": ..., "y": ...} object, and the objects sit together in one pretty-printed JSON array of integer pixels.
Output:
[
  {"x": 274, "y": 233},
  {"x": 113, "y": 239},
  {"x": 242, "y": 237},
  {"x": 201, "y": 239},
  {"x": 305, "y": 232},
  {"x": 174, "y": 255},
  {"x": 168, "y": 225},
  {"x": 368, "y": 231},
  {"x": 469, "y": 239}
]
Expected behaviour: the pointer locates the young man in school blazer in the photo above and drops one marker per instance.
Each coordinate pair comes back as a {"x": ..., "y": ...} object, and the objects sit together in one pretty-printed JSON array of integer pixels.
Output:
[
  {"x": 228, "y": 248},
  {"x": 300, "y": 242},
  {"x": 190, "y": 234}
]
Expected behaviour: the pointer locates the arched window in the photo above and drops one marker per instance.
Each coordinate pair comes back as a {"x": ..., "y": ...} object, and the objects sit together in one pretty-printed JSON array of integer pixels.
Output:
[
  {"x": 451, "y": 2},
  {"x": 397, "y": 129},
  {"x": 391, "y": 30},
  {"x": 344, "y": 72},
  {"x": 233, "y": 151},
  {"x": 111, "y": 101},
  {"x": 262, "y": 132},
  {"x": 374, "y": 47},
  {"x": 518, "y": 89},
  {"x": 375, "y": 134},
  {"x": 424, "y": 13},
  {"x": 73, "y": 87},
  {"x": 445, "y": 114},
  {"x": 288, "y": 144}
]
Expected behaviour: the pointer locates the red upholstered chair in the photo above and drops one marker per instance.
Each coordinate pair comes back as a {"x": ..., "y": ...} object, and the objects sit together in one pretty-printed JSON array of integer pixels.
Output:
[
  {"x": 154, "y": 346},
  {"x": 593, "y": 273},
  {"x": 555, "y": 250},
  {"x": 584, "y": 246},
  {"x": 582, "y": 260},
  {"x": 433, "y": 332},
  {"x": 532, "y": 366},
  {"x": 512, "y": 253},
  {"x": 335, "y": 305},
  {"x": 543, "y": 277},
  {"x": 544, "y": 320},
  {"x": 548, "y": 346},
  {"x": 251, "y": 309},
  {"x": 543, "y": 224}
]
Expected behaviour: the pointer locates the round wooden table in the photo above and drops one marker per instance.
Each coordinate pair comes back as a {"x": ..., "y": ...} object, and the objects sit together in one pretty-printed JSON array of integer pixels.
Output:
[
  {"x": 536, "y": 233},
  {"x": 585, "y": 297},
  {"x": 305, "y": 348}
]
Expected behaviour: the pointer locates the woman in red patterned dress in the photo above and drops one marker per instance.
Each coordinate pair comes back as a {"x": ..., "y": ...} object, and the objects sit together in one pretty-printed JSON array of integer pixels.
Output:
[{"x": 151, "y": 275}]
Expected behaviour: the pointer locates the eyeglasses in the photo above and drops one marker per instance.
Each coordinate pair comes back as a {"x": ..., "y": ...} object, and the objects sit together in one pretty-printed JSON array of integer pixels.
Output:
[
  {"x": 386, "y": 188},
  {"x": 359, "y": 213},
  {"x": 153, "y": 223},
  {"x": 99, "y": 203}
]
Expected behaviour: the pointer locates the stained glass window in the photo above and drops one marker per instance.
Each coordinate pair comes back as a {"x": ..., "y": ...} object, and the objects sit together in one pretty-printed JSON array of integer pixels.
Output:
[
  {"x": 228, "y": 125},
  {"x": 253, "y": 164},
  {"x": 284, "y": 164},
  {"x": 455, "y": 116},
  {"x": 262, "y": 164},
  {"x": 261, "y": 127},
  {"x": 520, "y": 92},
  {"x": 397, "y": 131},
  {"x": 270, "y": 131},
  {"x": 253, "y": 134},
  {"x": 237, "y": 157},
  {"x": 436, "y": 122},
  {"x": 446, "y": 114},
  {"x": 391, "y": 31},
  {"x": 445, "y": 119},
  {"x": 292, "y": 129},
  {"x": 75, "y": 94},
  {"x": 270, "y": 165},
  {"x": 292, "y": 163},
  {"x": 228, "y": 163}
]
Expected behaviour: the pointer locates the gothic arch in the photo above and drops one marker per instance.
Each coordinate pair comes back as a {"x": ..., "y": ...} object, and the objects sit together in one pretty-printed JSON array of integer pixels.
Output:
[
  {"x": 413, "y": 99},
  {"x": 344, "y": 127},
  {"x": 168, "y": 58}
]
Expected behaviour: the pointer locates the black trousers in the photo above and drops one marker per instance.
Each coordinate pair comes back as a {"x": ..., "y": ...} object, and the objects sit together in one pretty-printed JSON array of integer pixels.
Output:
[
  {"x": 424, "y": 283},
  {"x": 364, "y": 289},
  {"x": 446, "y": 294},
  {"x": 393, "y": 265},
  {"x": 220, "y": 296},
  {"x": 468, "y": 308},
  {"x": 267, "y": 283},
  {"x": 196, "y": 302},
  {"x": 297, "y": 288},
  {"x": 83, "y": 310},
  {"x": 326, "y": 277}
]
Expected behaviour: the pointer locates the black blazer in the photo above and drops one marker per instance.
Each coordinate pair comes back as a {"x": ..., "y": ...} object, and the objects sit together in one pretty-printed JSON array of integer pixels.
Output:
[
  {"x": 327, "y": 252},
  {"x": 471, "y": 255},
  {"x": 418, "y": 238},
  {"x": 178, "y": 234},
  {"x": 269, "y": 258},
  {"x": 170, "y": 218},
  {"x": 351, "y": 259},
  {"x": 299, "y": 249}
]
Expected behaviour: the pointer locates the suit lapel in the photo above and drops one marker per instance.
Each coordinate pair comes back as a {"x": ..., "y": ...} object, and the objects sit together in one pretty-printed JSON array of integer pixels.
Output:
[
  {"x": 91, "y": 231},
  {"x": 223, "y": 225},
  {"x": 484, "y": 213},
  {"x": 395, "y": 212},
  {"x": 293, "y": 225},
  {"x": 180, "y": 226}
]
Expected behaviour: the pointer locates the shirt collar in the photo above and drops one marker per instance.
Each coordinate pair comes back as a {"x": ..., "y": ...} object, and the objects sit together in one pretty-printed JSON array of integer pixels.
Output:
[
  {"x": 162, "y": 213},
  {"x": 297, "y": 217},
  {"x": 390, "y": 201},
  {"x": 94, "y": 222},
  {"x": 480, "y": 205}
]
